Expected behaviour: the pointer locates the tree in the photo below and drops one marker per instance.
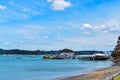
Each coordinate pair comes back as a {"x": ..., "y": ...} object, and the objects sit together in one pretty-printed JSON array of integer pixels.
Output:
[{"x": 116, "y": 53}]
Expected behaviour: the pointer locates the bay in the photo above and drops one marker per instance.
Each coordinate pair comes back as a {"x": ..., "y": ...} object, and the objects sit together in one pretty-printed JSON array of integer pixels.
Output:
[{"x": 36, "y": 68}]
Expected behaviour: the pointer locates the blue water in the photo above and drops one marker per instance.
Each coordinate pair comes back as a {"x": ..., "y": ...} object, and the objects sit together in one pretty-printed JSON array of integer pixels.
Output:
[{"x": 29, "y": 68}]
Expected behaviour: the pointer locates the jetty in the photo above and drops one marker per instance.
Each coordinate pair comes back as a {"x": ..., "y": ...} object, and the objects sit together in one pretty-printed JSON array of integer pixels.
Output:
[
  {"x": 70, "y": 54},
  {"x": 95, "y": 56}
]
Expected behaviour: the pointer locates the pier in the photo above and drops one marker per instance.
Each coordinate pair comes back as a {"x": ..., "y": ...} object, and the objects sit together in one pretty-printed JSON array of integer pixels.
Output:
[{"x": 97, "y": 56}]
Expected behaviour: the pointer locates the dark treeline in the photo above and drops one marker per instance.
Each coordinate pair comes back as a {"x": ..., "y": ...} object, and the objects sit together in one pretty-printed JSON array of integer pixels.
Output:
[
  {"x": 41, "y": 52},
  {"x": 26, "y": 52}
]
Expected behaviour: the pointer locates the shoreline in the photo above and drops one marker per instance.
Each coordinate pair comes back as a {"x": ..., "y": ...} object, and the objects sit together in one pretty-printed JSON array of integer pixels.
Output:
[{"x": 102, "y": 74}]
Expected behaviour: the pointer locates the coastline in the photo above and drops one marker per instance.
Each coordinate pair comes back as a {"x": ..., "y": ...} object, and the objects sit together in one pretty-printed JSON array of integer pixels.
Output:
[{"x": 102, "y": 74}]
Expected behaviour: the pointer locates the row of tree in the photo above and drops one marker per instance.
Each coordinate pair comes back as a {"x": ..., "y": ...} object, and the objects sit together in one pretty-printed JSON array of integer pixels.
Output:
[{"x": 41, "y": 52}]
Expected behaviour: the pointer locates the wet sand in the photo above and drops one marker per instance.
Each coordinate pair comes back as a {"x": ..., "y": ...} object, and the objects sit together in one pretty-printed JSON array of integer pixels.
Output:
[{"x": 104, "y": 74}]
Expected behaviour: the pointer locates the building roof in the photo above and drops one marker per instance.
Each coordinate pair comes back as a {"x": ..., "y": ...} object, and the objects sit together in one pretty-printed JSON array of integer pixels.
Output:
[{"x": 99, "y": 54}]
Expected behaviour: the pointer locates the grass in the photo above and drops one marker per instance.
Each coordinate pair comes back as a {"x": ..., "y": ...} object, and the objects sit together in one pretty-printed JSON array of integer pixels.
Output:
[{"x": 117, "y": 77}]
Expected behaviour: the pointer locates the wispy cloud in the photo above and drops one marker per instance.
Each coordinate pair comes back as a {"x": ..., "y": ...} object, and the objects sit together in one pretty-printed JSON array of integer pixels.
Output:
[
  {"x": 18, "y": 10},
  {"x": 32, "y": 31},
  {"x": 2, "y": 7},
  {"x": 87, "y": 26},
  {"x": 59, "y": 4},
  {"x": 111, "y": 25},
  {"x": 6, "y": 42}
]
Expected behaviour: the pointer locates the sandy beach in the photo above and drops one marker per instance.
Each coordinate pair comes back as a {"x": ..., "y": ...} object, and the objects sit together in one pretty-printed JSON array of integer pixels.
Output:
[{"x": 104, "y": 74}]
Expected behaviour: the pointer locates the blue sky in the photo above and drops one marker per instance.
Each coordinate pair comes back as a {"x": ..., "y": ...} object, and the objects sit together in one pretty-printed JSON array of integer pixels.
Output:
[{"x": 58, "y": 24}]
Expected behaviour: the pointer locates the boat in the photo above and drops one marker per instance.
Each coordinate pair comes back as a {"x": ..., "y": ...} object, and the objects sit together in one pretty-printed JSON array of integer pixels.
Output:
[{"x": 47, "y": 57}]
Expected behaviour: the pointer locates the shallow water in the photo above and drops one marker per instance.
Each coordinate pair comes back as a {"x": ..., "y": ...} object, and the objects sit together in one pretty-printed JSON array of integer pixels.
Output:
[{"x": 28, "y": 68}]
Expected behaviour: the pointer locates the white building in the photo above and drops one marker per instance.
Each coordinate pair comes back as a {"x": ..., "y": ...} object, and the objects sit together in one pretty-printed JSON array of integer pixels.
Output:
[{"x": 67, "y": 54}]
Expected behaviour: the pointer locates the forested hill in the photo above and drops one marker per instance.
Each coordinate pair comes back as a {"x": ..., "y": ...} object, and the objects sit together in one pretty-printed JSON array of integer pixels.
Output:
[{"x": 42, "y": 52}]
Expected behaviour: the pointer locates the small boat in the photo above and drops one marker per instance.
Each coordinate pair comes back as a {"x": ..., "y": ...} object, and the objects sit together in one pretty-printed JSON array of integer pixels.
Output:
[{"x": 47, "y": 57}]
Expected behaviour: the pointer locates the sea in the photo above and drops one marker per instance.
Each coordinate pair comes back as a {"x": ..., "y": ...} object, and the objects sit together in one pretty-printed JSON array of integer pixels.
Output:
[{"x": 26, "y": 67}]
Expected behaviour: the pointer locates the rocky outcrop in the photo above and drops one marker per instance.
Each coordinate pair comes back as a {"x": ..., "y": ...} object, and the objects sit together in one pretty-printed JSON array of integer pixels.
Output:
[{"x": 116, "y": 53}]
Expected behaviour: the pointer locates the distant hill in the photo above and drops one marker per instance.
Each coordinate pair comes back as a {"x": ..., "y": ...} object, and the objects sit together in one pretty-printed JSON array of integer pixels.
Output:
[{"x": 41, "y": 52}]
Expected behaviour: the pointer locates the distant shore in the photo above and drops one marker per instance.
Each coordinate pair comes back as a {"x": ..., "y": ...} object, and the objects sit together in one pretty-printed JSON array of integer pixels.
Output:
[{"x": 103, "y": 74}]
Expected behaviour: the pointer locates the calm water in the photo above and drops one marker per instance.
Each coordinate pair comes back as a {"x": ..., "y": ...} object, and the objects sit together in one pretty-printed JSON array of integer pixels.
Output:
[{"x": 29, "y": 68}]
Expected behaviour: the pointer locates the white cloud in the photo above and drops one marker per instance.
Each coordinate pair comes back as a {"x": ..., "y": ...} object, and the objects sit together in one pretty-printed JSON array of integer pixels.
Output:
[
  {"x": 59, "y": 4},
  {"x": 95, "y": 27},
  {"x": 86, "y": 26},
  {"x": 2, "y": 7},
  {"x": 112, "y": 25}
]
